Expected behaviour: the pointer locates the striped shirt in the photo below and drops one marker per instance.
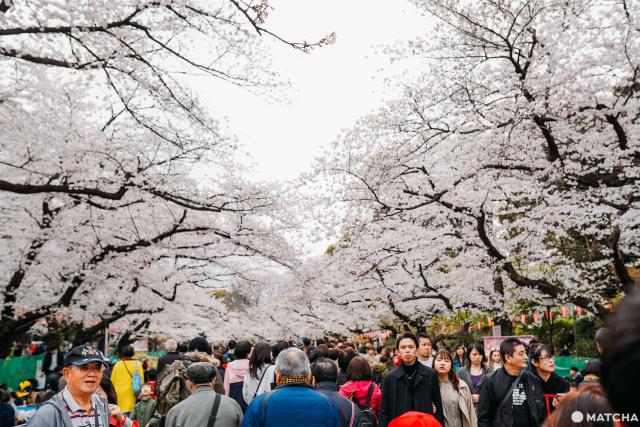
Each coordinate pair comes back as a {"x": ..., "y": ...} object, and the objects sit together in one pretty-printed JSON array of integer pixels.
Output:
[{"x": 79, "y": 417}]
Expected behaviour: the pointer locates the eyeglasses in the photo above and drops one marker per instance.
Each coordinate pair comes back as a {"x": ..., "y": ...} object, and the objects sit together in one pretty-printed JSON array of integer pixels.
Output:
[{"x": 548, "y": 357}]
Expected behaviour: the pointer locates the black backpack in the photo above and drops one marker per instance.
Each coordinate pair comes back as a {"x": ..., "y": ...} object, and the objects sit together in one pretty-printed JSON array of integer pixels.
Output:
[{"x": 368, "y": 417}]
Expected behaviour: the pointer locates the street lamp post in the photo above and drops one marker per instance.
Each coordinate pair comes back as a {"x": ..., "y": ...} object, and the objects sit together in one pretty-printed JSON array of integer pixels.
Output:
[{"x": 548, "y": 302}]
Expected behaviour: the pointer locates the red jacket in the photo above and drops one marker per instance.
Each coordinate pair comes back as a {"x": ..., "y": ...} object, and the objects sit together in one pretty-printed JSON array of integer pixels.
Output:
[{"x": 358, "y": 391}]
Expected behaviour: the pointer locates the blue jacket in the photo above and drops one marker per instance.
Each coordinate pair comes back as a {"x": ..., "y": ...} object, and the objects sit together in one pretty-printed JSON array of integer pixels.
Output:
[{"x": 291, "y": 405}]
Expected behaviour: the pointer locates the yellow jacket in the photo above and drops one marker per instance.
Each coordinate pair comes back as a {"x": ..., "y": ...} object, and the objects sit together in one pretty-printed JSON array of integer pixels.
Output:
[{"x": 121, "y": 379}]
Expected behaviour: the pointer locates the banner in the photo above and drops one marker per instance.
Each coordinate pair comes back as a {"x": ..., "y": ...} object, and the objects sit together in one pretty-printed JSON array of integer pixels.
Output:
[
  {"x": 13, "y": 370},
  {"x": 491, "y": 343},
  {"x": 563, "y": 364}
]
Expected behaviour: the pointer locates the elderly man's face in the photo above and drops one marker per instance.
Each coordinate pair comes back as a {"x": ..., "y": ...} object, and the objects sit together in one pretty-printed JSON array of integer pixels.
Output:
[{"x": 84, "y": 379}]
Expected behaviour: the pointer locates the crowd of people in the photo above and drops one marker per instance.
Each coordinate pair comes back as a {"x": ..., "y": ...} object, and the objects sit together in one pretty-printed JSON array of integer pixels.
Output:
[{"x": 344, "y": 384}]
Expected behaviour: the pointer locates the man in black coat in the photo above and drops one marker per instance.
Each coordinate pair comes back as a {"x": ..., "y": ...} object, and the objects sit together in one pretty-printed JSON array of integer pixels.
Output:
[
  {"x": 325, "y": 377},
  {"x": 171, "y": 356},
  {"x": 51, "y": 366},
  {"x": 411, "y": 386},
  {"x": 512, "y": 396}
]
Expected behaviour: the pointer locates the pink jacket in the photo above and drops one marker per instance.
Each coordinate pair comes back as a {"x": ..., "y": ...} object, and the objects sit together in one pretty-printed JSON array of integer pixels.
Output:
[
  {"x": 358, "y": 390},
  {"x": 235, "y": 373}
]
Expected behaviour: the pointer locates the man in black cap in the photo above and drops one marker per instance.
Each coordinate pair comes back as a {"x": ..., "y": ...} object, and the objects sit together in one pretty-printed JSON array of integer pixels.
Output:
[
  {"x": 77, "y": 404},
  {"x": 199, "y": 350}
]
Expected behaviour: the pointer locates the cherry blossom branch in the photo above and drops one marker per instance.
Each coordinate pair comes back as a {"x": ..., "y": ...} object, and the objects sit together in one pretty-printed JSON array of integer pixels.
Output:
[{"x": 64, "y": 188}]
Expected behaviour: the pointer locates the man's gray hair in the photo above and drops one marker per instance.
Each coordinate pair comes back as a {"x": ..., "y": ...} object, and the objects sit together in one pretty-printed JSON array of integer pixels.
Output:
[
  {"x": 171, "y": 345},
  {"x": 293, "y": 363}
]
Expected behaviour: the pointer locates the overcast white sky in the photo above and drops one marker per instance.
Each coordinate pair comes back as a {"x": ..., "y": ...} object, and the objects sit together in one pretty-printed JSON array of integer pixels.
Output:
[{"x": 331, "y": 87}]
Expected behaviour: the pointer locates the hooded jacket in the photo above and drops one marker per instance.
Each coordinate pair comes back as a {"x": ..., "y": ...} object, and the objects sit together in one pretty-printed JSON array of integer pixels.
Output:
[
  {"x": 554, "y": 385},
  {"x": 357, "y": 391},
  {"x": 235, "y": 373},
  {"x": 196, "y": 356},
  {"x": 234, "y": 381}
]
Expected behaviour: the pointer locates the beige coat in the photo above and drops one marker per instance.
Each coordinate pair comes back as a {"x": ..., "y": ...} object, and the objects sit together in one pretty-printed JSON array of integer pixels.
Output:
[{"x": 469, "y": 418}]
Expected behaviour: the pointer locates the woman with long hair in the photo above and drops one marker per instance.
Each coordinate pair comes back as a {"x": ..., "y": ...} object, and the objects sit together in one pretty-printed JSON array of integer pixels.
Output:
[
  {"x": 459, "y": 357},
  {"x": 495, "y": 360},
  {"x": 456, "y": 395},
  {"x": 261, "y": 373},
  {"x": 474, "y": 371}
]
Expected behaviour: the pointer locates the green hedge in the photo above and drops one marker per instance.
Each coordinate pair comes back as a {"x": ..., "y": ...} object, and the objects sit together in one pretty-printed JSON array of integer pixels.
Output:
[{"x": 563, "y": 364}]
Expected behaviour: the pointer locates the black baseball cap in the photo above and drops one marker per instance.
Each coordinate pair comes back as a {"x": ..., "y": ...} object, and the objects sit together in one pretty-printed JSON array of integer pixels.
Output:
[{"x": 83, "y": 355}]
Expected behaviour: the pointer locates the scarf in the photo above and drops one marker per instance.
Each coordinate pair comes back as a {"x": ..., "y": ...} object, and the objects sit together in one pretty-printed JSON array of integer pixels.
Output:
[{"x": 293, "y": 380}]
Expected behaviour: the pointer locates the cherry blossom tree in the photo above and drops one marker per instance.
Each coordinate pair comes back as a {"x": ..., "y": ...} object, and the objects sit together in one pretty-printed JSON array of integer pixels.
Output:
[
  {"x": 121, "y": 200},
  {"x": 506, "y": 171}
]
